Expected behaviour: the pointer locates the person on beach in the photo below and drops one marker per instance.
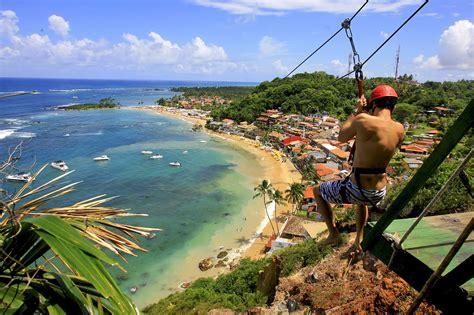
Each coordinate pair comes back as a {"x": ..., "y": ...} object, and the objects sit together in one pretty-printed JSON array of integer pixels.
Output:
[{"x": 377, "y": 137}]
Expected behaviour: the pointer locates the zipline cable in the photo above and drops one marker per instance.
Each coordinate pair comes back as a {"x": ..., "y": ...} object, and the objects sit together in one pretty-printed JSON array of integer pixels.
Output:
[
  {"x": 375, "y": 51},
  {"x": 328, "y": 40},
  {"x": 396, "y": 31}
]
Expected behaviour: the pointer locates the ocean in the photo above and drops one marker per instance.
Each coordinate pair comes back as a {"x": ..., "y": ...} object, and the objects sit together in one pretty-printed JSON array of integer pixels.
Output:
[{"x": 200, "y": 206}]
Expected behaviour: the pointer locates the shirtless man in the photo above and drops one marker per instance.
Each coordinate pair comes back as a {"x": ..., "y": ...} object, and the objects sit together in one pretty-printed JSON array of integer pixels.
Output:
[{"x": 377, "y": 138}]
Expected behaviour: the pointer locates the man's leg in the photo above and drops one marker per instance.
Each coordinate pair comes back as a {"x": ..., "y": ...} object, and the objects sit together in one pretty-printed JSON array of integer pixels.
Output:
[
  {"x": 361, "y": 220},
  {"x": 334, "y": 238}
]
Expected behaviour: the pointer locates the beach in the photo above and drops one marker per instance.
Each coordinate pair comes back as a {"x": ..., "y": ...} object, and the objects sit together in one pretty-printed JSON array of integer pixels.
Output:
[{"x": 280, "y": 174}]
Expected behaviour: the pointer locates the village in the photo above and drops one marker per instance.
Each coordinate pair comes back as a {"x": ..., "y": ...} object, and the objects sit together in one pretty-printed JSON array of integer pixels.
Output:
[{"x": 310, "y": 143}]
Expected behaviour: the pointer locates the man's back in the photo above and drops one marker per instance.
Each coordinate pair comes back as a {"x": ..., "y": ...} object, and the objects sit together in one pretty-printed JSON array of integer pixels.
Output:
[{"x": 377, "y": 138}]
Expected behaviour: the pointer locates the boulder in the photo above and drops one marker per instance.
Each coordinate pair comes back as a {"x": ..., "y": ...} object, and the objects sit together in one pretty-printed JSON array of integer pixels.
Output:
[
  {"x": 206, "y": 264},
  {"x": 222, "y": 254}
]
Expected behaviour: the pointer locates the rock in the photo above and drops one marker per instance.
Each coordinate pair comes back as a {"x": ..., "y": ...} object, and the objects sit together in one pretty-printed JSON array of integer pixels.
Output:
[
  {"x": 220, "y": 264},
  {"x": 206, "y": 264},
  {"x": 184, "y": 285},
  {"x": 222, "y": 254}
]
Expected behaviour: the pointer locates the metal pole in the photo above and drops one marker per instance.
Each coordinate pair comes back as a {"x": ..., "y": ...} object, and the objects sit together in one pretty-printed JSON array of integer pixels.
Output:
[{"x": 437, "y": 274}]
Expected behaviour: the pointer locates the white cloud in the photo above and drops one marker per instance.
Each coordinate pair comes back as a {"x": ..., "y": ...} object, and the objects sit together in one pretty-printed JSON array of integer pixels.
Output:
[
  {"x": 59, "y": 25},
  {"x": 280, "y": 67},
  {"x": 271, "y": 7},
  {"x": 132, "y": 53},
  {"x": 384, "y": 34},
  {"x": 269, "y": 46},
  {"x": 455, "y": 50}
]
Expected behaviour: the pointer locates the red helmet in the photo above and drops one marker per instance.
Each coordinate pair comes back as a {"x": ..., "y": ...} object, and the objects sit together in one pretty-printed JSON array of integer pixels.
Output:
[{"x": 382, "y": 90}]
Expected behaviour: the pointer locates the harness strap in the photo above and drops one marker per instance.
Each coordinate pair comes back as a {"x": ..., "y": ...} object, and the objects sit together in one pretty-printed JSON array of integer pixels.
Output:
[{"x": 357, "y": 172}]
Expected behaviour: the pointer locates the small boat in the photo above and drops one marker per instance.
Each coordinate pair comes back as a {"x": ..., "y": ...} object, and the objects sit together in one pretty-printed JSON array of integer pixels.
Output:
[
  {"x": 185, "y": 152},
  {"x": 20, "y": 177},
  {"x": 75, "y": 97},
  {"x": 147, "y": 152},
  {"x": 175, "y": 164},
  {"x": 102, "y": 158},
  {"x": 60, "y": 165},
  {"x": 156, "y": 156},
  {"x": 150, "y": 236},
  {"x": 133, "y": 290},
  {"x": 66, "y": 134},
  {"x": 203, "y": 141}
]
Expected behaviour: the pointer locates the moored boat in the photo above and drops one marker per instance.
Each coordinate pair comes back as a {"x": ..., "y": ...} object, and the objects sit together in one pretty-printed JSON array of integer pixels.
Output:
[
  {"x": 102, "y": 158},
  {"x": 60, "y": 165},
  {"x": 156, "y": 156},
  {"x": 175, "y": 164},
  {"x": 147, "y": 152},
  {"x": 20, "y": 177}
]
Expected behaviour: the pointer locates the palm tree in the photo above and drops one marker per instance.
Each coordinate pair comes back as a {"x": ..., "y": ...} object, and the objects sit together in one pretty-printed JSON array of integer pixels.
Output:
[
  {"x": 277, "y": 196},
  {"x": 264, "y": 190},
  {"x": 295, "y": 195},
  {"x": 48, "y": 264}
]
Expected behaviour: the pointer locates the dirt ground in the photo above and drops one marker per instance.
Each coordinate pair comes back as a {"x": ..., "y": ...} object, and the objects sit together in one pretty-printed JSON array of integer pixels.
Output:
[{"x": 335, "y": 286}]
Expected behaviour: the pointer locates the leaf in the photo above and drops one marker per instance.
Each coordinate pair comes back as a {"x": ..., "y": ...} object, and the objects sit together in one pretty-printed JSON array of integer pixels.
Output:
[
  {"x": 91, "y": 268},
  {"x": 72, "y": 292},
  {"x": 62, "y": 230}
]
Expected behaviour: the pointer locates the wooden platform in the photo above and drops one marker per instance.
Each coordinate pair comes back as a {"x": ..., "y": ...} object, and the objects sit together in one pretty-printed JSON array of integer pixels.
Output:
[
  {"x": 424, "y": 250},
  {"x": 433, "y": 237}
]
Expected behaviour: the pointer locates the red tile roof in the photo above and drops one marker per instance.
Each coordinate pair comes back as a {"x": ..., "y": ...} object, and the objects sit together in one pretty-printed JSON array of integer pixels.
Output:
[
  {"x": 339, "y": 153},
  {"x": 308, "y": 193}
]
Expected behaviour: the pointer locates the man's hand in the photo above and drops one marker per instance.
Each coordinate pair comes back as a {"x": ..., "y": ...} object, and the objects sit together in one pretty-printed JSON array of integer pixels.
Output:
[{"x": 361, "y": 104}]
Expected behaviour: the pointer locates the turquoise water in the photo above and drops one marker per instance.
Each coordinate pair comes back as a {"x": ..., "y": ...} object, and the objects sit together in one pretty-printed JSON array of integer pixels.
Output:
[{"x": 199, "y": 205}]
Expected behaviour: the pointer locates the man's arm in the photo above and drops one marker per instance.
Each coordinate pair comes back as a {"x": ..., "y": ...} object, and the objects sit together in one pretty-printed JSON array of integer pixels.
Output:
[{"x": 348, "y": 128}]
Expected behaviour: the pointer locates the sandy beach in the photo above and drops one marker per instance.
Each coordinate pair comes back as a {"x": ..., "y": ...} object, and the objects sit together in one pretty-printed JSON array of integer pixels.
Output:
[{"x": 280, "y": 174}]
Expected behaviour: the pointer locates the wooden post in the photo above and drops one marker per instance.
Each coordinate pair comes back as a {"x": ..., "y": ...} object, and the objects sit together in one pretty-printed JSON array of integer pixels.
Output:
[
  {"x": 464, "y": 122},
  {"x": 435, "y": 276}
]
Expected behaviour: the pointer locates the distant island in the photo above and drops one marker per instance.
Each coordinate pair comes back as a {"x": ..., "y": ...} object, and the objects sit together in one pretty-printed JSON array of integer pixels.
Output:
[{"x": 104, "y": 103}]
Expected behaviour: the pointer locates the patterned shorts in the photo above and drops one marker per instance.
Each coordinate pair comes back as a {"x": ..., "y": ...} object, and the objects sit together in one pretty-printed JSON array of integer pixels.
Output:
[{"x": 330, "y": 191}]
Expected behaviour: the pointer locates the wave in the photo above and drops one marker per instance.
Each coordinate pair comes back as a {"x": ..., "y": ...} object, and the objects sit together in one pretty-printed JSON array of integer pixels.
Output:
[
  {"x": 5, "y": 133},
  {"x": 98, "y": 133},
  {"x": 101, "y": 89},
  {"x": 14, "y": 121}
]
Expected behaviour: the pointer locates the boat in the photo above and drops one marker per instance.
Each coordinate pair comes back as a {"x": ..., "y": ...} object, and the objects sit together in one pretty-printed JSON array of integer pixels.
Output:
[
  {"x": 203, "y": 141},
  {"x": 102, "y": 158},
  {"x": 75, "y": 97},
  {"x": 20, "y": 177},
  {"x": 133, "y": 289},
  {"x": 147, "y": 152},
  {"x": 156, "y": 156},
  {"x": 175, "y": 164},
  {"x": 60, "y": 165},
  {"x": 185, "y": 152},
  {"x": 150, "y": 236}
]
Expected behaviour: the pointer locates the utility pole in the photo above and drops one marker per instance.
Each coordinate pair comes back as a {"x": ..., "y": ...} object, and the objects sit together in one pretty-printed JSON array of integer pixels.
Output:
[{"x": 397, "y": 61}]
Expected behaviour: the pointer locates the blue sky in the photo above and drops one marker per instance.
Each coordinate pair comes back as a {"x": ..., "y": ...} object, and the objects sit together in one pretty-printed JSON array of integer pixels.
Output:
[{"x": 230, "y": 40}]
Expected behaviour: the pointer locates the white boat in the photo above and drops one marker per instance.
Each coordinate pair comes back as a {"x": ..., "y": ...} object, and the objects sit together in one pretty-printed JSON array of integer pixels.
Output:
[
  {"x": 203, "y": 141},
  {"x": 102, "y": 158},
  {"x": 75, "y": 97},
  {"x": 175, "y": 164},
  {"x": 20, "y": 177},
  {"x": 156, "y": 156},
  {"x": 185, "y": 152},
  {"x": 147, "y": 152},
  {"x": 60, "y": 165}
]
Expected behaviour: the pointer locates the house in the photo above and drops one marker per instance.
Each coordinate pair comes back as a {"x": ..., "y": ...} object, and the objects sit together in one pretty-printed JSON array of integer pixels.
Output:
[
  {"x": 296, "y": 230},
  {"x": 339, "y": 155},
  {"x": 413, "y": 163},
  {"x": 308, "y": 198},
  {"x": 414, "y": 149},
  {"x": 324, "y": 172}
]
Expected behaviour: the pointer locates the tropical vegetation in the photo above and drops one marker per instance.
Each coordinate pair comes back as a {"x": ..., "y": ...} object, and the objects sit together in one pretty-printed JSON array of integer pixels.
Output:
[
  {"x": 104, "y": 103},
  {"x": 264, "y": 190},
  {"x": 238, "y": 290},
  {"x": 52, "y": 259}
]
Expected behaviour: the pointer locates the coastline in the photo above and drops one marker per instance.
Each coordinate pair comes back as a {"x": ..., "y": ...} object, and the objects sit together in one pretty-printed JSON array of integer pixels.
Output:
[{"x": 280, "y": 174}]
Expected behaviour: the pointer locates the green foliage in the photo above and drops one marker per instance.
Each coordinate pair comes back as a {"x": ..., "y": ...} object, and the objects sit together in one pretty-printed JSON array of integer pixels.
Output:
[
  {"x": 309, "y": 93},
  {"x": 455, "y": 199},
  {"x": 295, "y": 257},
  {"x": 236, "y": 290},
  {"x": 227, "y": 92},
  {"x": 108, "y": 102}
]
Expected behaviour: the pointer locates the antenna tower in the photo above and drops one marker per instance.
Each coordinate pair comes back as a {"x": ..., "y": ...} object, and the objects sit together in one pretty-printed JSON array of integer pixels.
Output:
[{"x": 397, "y": 61}]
